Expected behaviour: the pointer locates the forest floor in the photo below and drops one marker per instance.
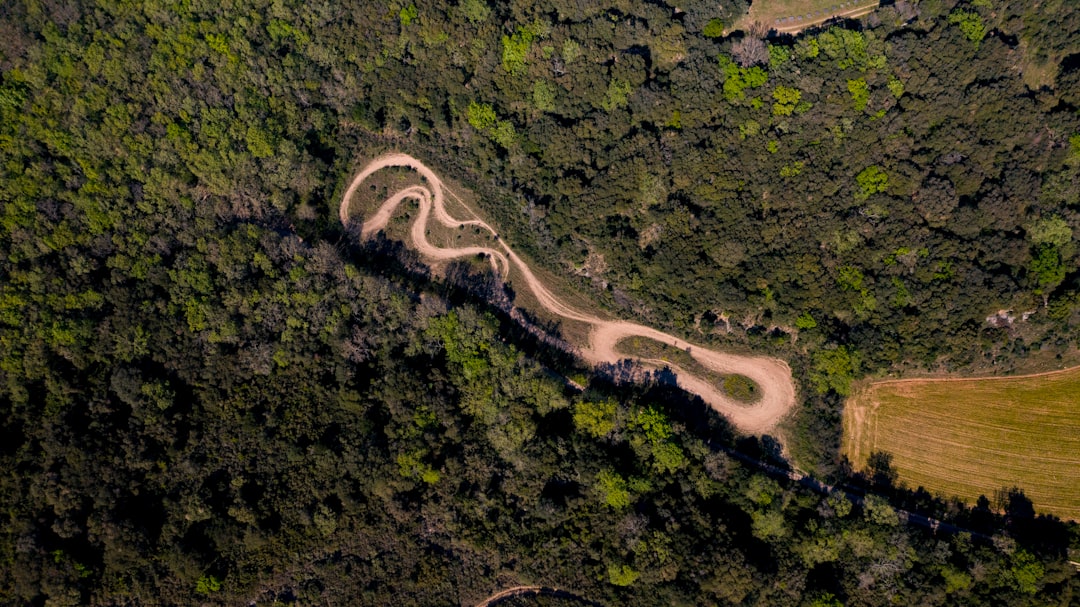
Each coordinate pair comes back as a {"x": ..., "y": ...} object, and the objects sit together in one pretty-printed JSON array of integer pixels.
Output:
[
  {"x": 793, "y": 16},
  {"x": 974, "y": 436},
  {"x": 772, "y": 375}
]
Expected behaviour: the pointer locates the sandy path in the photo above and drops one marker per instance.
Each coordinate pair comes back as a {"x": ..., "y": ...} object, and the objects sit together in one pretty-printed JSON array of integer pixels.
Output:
[
  {"x": 772, "y": 375},
  {"x": 535, "y": 590},
  {"x": 798, "y": 25}
]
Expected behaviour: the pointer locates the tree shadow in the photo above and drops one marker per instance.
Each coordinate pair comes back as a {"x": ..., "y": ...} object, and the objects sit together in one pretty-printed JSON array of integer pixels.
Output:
[{"x": 464, "y": 282}]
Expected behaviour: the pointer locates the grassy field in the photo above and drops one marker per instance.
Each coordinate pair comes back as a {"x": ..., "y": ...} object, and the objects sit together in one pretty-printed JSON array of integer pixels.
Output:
[
  {"x": 794, "y": 15},
  {"x": 738, "y": 387},
  {"x": 971, "y": 437}
]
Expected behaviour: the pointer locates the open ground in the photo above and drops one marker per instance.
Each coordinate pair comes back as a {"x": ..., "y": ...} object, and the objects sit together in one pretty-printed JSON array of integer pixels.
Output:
[
  {"x": 793, "y": 16},
  {"x": 598, "y": 343},
  {"x": 975, "y": 436}
]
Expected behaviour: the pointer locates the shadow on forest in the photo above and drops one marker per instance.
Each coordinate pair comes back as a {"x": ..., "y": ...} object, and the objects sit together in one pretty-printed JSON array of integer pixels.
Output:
[
  {"x": 1010, "y": 510},
  {"x": 464, "y": 284}
]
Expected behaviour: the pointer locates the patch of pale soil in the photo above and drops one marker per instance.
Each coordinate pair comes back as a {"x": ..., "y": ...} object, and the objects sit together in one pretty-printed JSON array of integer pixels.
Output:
[
  {"x": 771, "y": 374},
  {"x": 856, "y": 411},
  {"x": 852, "y": 13},
  {"x": 533, "y": 590}
]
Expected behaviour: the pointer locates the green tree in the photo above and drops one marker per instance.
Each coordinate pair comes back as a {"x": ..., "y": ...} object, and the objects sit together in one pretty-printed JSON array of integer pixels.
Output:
[
  {"x": 738, "y": 79},
  {"x": 622, "y": 575},
  {"x": 617, "y": 95},
  {"x": 476, "y": 11},
  {"x": 826, "y": 600},
  {"x": 970, "y": 23},
  {"x": 750, "y": 128},
  {"x": 654, "y": 424},
  {"x": 896, "y": 87},
  {"x": 805, "y": 321},
  {"x": 207, "y": 584},
  {"x": 543, "y": 96},
  {"x": 955, "y": 580},
  {"x": 877, "y": 510},
  {"x": 667, "y": 457},
  {"x": 860, "y": 93},
  {"x": 792, "y": 170},
  {"x": 258, "y": 142},
  {"x": 613, "y": 488},
  {"x": 571, "y": 50},
  {"x": 778, "y": 56},
  {"x": 787, "y": 99},
  {"x": 834, "y": 369},
  {"x": 1049, "y": 231},
  {"x": 516, "y": 49},
  {"x": 1026, "y": 572},
  {"x": 848, "y": 48},
  {"x": 871, "y": 180},
  {"x": 713, "y": 29},
  {"x": 1047, "y": 267},
  {"x": 504, "y": 133},
  {"x": 768, "y": 525},
  {"x": 407, "y": 15},
  {"x": 595, "y": 418},
  {"x": 481, "y": 116}
]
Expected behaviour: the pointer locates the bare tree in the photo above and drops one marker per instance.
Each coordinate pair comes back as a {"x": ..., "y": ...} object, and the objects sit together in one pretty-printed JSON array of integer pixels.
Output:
[
  {"x": 907, "y": 10},
  {"x": 750, "y": 51}
]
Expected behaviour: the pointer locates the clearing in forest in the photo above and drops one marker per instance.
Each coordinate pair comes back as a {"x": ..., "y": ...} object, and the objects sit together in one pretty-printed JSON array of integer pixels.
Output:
[
  {"x": 767, "y": 381},
  {"x": 738, "y": 387},
  {"x": 972, "y": 437},
  {"x": 792, "y": 16}
]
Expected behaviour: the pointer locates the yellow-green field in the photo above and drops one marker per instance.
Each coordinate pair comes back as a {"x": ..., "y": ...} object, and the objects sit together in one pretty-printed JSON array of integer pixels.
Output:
[
  {"x": 791, "y": 16},
  {"x": 971, "y": 437}
]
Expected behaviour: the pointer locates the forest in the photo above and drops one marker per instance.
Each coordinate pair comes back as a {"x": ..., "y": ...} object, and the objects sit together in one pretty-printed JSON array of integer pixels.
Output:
[{"x": 212, "y": 393}]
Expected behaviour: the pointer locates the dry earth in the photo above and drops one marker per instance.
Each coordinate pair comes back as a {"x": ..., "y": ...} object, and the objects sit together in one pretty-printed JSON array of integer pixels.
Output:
[
  {"x": 974, "y": 436},
  {"x": 793, "y": 16},
  {"x": 531, "y": 590},
  {"x": 771, "y": 374}
]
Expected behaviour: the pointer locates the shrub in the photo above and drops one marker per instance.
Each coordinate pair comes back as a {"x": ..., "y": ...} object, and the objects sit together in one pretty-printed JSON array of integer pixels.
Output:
[{"x": 713, "y": 29}]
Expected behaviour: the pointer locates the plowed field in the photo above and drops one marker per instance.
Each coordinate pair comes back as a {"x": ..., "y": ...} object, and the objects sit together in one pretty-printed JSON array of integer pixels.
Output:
[{"x": 971, "y": 437}]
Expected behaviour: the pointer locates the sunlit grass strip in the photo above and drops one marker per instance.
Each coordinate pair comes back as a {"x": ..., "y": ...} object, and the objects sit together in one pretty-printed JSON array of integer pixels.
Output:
[
  {"x": 972, "y": 437},
  {"x": 738, "y": 387},
  {"x": 794, "y": 15}
]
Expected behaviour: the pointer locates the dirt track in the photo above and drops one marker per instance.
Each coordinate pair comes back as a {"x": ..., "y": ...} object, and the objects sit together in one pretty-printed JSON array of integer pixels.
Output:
[
  {"x": 852, "y": 13},
  {"x": 772, "y": 375},
  {"x": 532, "y": 590}
]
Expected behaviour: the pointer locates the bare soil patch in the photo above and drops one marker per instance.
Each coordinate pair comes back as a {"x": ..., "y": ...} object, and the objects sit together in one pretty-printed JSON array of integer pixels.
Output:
[
  {"x": 792, "y": 16},
  {"x": 974, "y": 436}
]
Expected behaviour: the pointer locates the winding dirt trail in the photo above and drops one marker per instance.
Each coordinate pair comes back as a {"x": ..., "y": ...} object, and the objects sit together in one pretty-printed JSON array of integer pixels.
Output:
[
  {"x": 772, "y": 375},
  {"x": 533, "y": 590}
]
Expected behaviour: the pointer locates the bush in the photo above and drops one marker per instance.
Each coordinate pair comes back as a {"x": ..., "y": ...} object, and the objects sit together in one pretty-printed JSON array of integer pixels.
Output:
[{"x": 713, "y": 29}]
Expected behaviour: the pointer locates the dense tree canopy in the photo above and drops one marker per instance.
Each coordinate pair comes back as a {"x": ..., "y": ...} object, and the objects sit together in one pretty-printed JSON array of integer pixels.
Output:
[{"x": 212, "y": 393}]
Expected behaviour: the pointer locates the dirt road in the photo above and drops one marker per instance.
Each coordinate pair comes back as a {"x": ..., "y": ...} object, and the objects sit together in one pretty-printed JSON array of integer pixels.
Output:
[
  {"x": 795, "y": 24},
  {"x": 532, "y": 590},
  {"x": 772, "y": 375}
]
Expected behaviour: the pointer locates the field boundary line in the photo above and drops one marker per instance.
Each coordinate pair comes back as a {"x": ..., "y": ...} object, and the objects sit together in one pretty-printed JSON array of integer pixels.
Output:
[{"x": 907, "y": 380}]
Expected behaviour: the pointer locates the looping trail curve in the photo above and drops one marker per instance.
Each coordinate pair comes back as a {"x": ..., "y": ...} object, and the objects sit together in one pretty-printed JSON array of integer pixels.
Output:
[
  {"x": 772, "y": 375},
  {"x": 533, "y": 590}
]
